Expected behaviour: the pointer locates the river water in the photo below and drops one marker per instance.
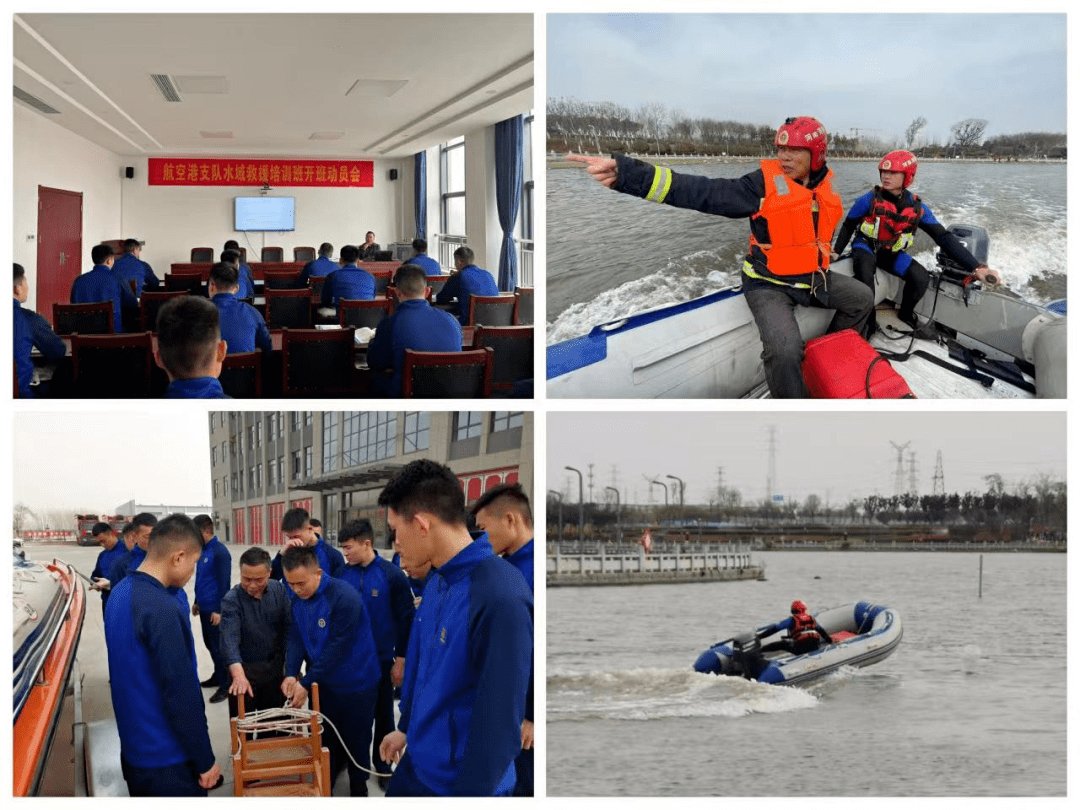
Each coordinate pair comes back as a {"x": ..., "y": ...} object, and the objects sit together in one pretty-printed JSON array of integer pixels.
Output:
[
  {"x": 610, "y": 255},
  {"x": 972, "y": 703}
]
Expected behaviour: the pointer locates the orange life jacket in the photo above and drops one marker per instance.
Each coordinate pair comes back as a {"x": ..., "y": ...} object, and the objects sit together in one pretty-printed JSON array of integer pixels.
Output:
[
  {"x": 794, "y": 246},
  {"x": 889, "y": 227},
  {"x": 803, "y": 627}
]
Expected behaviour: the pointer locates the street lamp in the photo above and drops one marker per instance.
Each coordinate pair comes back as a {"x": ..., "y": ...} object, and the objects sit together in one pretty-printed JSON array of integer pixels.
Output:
[
  {"x": 581, "y": 502},
  {"x": 618, "y": 531},
  {"x": 682, "y": 489},
  {"x": 559, "y": 496}
]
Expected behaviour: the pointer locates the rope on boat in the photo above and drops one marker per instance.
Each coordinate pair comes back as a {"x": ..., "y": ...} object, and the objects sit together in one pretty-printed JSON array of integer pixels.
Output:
[{"x": 295, "y": 723}]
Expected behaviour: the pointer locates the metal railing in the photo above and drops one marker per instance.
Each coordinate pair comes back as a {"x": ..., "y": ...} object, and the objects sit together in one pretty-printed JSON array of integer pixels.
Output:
[{"x": 446, "y": 244}]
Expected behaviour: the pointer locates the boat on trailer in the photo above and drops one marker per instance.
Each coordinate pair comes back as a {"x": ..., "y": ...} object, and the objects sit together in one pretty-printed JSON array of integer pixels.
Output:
[
  {"x": 49, "y": 607},
  {"x": 863, "y": 634},
  {"x": 987, "y": 343}
]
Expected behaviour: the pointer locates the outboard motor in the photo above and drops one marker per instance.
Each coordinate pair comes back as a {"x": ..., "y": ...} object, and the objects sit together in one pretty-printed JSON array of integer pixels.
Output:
[
  {"x": 748, "y": 656},
  {"x": 976, "y": 240}
]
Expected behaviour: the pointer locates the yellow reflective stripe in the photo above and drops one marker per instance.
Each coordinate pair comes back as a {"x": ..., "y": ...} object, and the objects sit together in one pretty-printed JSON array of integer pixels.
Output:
[
  {"x": 661, "y": 185},
  {"x": 748, "y": 268}
]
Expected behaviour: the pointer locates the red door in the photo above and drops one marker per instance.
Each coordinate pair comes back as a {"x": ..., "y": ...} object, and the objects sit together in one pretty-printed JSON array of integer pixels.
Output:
[{"x": 59, "y": 254}]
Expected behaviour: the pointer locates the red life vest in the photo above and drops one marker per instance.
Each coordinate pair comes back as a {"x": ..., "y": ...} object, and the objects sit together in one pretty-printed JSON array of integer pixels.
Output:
[
  {"x": 803, "y": 627},
  {"x": 889, "y": 227}
]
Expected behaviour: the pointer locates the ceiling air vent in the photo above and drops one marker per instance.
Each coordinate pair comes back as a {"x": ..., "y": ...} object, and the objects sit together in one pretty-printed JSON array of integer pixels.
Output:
[
  {"x": 34, "y": 102},
  {"x": 165, "y": 86}
]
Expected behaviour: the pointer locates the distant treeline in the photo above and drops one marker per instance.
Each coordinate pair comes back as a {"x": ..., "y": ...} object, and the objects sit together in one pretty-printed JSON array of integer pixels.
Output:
[{"x": 604, "y": 127}]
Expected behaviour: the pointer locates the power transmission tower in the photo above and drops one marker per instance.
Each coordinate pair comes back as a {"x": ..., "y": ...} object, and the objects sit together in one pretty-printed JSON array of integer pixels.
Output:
[
  {"x": 898, "y": 481},
  {"x": 939, "y": 476},
  {"x": 913, "y": 484}
]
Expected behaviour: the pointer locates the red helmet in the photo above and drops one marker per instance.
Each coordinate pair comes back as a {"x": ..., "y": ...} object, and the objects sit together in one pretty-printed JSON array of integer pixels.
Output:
[
  {"x": 805, "y": 133},
  {"x": 900, "y": 160},
  {"x": 798, "y": 606}
]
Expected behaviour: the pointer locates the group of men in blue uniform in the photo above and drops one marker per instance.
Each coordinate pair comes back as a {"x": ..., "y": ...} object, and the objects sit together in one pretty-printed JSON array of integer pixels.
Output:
[{"x": 463, "y": 661}]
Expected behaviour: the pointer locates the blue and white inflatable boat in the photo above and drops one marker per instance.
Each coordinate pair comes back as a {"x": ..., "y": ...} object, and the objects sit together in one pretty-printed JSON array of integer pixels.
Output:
[{"x": 863, "y": 634}]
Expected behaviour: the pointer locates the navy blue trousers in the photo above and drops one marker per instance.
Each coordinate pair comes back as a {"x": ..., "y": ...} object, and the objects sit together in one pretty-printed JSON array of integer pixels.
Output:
[
  {"x": 352, "y": 713},
  {"x": 170, "y": 780},
  {"x": 212, "y": 639}
]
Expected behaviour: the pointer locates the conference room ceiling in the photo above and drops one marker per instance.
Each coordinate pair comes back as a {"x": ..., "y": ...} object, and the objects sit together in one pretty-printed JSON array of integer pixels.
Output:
[{"x": 318, "y": 85}]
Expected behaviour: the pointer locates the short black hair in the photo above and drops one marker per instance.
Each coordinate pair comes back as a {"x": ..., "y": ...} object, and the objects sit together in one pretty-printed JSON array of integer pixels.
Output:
[
  {"x": 297, "y": 556},
  {"x": 256, "y": 556},
  {"x": 189, "y": 330},
  {"x": 99, "y": 253},
  {"x": 326, "y": 249},
  {"x": 203, "y": 522},
  {"x": 20, "y": 273},
  {"x": 369, "y": 233},
  {"x": 509, "y": 495},
  {"x": 100, "y": 528},
  {"x": 358, "y": 530},
  {"x": 350, "y": 253},
  {"x": 465, "y": 253},
  {"x": 129, "y": 527},
  {"x": 410, "y": 279},
  {"x": 172, "y": 533},
  {"x": 232, "y": 244},
  {"x": 225, "y": 275},
  {"x": 315, "y": 523},
  {"x": 231, "y": 257},
  {"x": 427, "y": 486},
  {"x": 419, "y": 245},
  {"x": 143, "y": 519},
  {"x": 130, "y": 245},
  {"x": 295, "y": 519}
]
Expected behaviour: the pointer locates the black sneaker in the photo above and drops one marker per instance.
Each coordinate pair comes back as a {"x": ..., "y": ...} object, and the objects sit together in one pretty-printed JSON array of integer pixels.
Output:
[
  {"x": 210, "y": 683},
  {"x": 923, "y": 331},
  {"x": 219, "y": 695}
]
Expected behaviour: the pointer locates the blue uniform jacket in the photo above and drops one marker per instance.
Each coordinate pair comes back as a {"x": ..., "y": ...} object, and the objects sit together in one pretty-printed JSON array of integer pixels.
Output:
[
  {"x": 351, "y": 282},
  {"x": 388, "y": 602},
  {"x": 466, "y": 675},
  {"x": 246, "y": 281},
  {"x": 431, "y": 267},
  {"x": 102, "y": 284},
  {"x": 469, "y": 282},
  {"x": 212, "y": 575},
  {"x": 330, "y": 561},
  {"x": 320, "y": 268},
  {"x": 105, "y": 561},
  {"x": 129, "y": 266},
  {"x": 125, "y": 564},
  {"x": 331, "y": 629},
  {"x": 196, "y": 388},
  {"x": 522, "y": 560},
  {"x": 414, "y": 325},
  {"x": 153, "y": 678},
  {"x": 32, "y": 330},
  {"x": 242, "y": 327}
]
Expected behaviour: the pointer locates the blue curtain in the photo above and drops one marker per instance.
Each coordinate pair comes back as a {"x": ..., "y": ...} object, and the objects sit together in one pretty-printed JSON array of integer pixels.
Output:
[
  {"x": 509, "y": 170},
  {"x": 420, "y": 193}
]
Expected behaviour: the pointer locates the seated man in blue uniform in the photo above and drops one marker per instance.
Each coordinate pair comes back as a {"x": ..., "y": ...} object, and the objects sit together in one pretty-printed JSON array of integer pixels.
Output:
[
  {"x": 242, "y": 326},
  {"x": 415, "y": 325},
  {"x": 503, "y": 513},
  {"x": 323, "y": 266},
  {"x": 470, "y": 652},
  {"x": 213, "y": 576},
  {"x": 112, "y": 550},
  {"x": 422, "y": 260},
  {"x": 389, "y": 605},
  {"x": 350, "y": 281},
  {"x": 331, "y": 630},
  {"x": 130, "y": 267},
  {"x": 31, "y": 331},
  {"x": 466, "y": 281},
  {"x": 101, "y": 284},
  {"x": 190, "y": 348},
  {"x": 296, "y": 525},
  {"x": 247, "y": 279},
  {"x": 165, "y": 747}
]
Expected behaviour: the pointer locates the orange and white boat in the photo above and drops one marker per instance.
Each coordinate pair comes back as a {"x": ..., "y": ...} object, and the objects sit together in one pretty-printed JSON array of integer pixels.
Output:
[{"x": 49, "y": 606}]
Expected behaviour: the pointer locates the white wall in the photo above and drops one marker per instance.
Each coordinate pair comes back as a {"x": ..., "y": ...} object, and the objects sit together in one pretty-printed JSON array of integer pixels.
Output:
[
  {"x": 46, "y": 154},
  {"x": 481, "y": 206}
]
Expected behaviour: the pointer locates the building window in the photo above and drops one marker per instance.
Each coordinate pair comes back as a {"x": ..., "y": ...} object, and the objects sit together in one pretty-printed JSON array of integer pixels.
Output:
[
  {"x": 329, "y": 442},
  {"x": 215, "y": 488},
  {"x": 270, "y": 474},
  {"x": 452, "y": 186},
  {"x": 526, "y": 223},
  {"x": 505, "y": 420},
  {"x": 213, "y": 456},
  {"x": 369, "y": 437},
  {"x": 281, "y": 470},
  {"x": 417, "y": 432},
  {"x": 258, "y": 477},
  {"x": 309, "y": 461},
  {"x": 296, "y": 464},
  {"x": 308, "y": 417},
  {"x": 258, "y": 433},
  {"x": 467, "y": 424},
  {"x": 251, "y": 479},
  {"x": 295, "y": 420},
  {"x": 251, "y": 437}
]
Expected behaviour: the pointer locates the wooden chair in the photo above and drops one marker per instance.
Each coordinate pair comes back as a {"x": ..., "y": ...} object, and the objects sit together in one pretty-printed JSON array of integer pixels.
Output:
[
  {"x": 151, "y": 303},
  {"x": 202, "y": 254},
  {"x": 303, "y": 254},
  {"x": 492, "y": 310},
  {"x": 363, "y": 313},
  {"x": 241, "y": 375},
  {"x": 513, "y": 354},
  {"x": 112, "y": 366},
  {"x": 436, "y": 283},
  {"x": 439, "y": 375},
  {"x": 84, "y": 319},
  {"x": 294, "y": 765},
  {"x": 288, "y": 308},
  {"x": 317, "y": 362},
  {"x": 191, "y": 283},
  {"x": 273, "y": 254},
  {"x": 525, "y": 305},
  {"x": 316, "y": 283},
  {"x": 281, "y": 279},
  {"x": 382, "y": 281}
]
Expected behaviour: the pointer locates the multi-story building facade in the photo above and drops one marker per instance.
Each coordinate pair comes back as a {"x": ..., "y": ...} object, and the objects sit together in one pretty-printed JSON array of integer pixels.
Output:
[{"x": 335, "y": 464}]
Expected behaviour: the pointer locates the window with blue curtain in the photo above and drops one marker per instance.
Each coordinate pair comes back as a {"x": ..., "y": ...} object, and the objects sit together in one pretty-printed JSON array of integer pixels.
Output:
[
  {"x": 420, "y": 193},
  {"x": 509, "y": 137}
]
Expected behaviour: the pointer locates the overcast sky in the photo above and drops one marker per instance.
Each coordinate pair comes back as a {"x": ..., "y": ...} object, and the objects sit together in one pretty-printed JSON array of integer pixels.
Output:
[
  {"x": 867, "y": 71},
  {"x": 835, "y": 455},
  {"x": 99, "y": 460}
]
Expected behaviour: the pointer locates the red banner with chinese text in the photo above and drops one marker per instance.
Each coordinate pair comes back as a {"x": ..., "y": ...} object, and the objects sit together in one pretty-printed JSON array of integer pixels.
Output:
[{"x": 258, "y": 172}]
